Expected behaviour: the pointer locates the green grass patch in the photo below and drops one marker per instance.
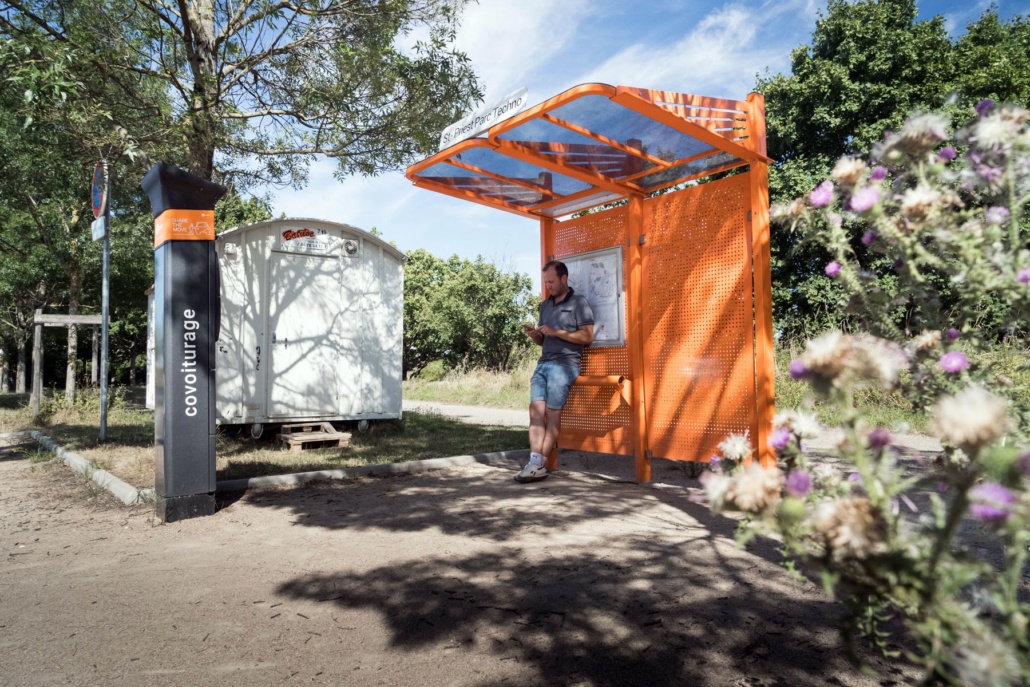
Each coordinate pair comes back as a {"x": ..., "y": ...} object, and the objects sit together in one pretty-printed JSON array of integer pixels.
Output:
[
  {"x": 475, "y": 387},
  {"x": 417, "y": 437},
  {"x": 129, "y": 451},
  {"x": 881, "y": 408}
]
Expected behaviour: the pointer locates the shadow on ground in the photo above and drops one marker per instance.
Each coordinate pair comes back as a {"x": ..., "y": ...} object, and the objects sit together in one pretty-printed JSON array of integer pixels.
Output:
[{"x": 583, "y": 580}]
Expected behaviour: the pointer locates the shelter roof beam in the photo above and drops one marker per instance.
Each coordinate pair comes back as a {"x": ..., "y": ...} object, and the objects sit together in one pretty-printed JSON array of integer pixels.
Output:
[
  {"x": 628, "y": 99},
  {"x": 605, "y": 140},
  {"x": 457, "y": 192},
  {"x": 508, "y": 180},
  {"x": 521, "y": 152}
]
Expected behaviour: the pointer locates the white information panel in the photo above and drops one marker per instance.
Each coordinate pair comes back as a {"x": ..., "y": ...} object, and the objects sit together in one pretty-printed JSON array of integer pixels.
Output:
[{"x": 598, "y": 276}]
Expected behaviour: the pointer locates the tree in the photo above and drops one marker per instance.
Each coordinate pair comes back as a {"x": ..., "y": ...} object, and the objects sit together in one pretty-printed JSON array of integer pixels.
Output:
[
  {"x": 870, "y": 64},
  {"x": 992, "y": 60},
  {"x": 466, "y": 313},
  {"x": 258, "y": 86},
  {"x": 50, "y": 139}
]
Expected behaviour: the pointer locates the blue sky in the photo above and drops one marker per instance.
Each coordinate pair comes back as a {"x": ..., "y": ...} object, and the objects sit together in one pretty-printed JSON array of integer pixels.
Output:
[{"x": 689, "y": 46}]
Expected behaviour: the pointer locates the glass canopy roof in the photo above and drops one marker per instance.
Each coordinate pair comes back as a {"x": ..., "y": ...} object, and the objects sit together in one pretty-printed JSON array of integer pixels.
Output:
[{"x": 591, "y": 145}]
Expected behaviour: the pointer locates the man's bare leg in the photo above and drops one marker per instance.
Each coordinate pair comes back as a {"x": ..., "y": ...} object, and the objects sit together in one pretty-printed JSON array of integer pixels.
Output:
[
  {"x": 537, "y": 425},
  {"x": 550, "y": 441}
]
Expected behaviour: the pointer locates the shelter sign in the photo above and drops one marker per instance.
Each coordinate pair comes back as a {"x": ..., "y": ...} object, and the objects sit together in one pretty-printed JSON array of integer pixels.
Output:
[
  {"x": 484, "y": 118},
  {"x": 598, "y": 276}
]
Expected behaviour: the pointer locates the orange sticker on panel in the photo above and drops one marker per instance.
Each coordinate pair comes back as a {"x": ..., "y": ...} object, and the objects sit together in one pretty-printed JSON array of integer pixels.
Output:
[{"x": 184, "y": 225}]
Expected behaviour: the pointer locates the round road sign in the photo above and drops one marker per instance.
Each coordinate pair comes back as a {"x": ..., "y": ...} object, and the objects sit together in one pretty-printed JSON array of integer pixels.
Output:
[{"x": 99, "y": 190}]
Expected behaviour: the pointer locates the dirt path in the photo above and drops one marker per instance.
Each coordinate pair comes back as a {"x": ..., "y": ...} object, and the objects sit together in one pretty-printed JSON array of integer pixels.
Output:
[
  {"x": 520, "y": 418},
  {"x": 458, "y": 577}
]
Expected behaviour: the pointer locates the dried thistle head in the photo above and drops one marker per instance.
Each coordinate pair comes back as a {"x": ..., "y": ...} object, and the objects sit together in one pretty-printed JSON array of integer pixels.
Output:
[
  {"x": 851, "y": 527},
  {"x": 754, "y": 489},
  {"x": 970, "y": 419}
]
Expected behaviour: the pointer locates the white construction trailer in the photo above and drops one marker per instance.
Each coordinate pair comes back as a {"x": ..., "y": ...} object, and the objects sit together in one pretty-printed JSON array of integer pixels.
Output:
[{"x": 312, "y": 325}]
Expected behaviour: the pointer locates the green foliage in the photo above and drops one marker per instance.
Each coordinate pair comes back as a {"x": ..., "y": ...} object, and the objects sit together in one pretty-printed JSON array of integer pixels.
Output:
[
  {"x": 947, "y": 222},
  {"x": 265, "y": 84},
  {"x": 433, "y": 372},
  {"x": 463, "y": 313},
  {"x": 869, "y": 64},
  {"x": 233, "y": 210}
]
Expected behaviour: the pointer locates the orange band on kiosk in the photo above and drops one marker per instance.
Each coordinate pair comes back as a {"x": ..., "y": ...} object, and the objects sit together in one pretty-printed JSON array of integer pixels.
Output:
[{"x": 184, "y": 225}]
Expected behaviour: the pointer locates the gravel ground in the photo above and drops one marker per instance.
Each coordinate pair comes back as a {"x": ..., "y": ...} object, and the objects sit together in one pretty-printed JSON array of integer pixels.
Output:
[{"x": 457, "y": 577}]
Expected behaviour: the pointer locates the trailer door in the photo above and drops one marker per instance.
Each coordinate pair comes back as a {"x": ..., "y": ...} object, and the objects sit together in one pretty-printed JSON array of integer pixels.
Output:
[{"x": 302, "y": 311}]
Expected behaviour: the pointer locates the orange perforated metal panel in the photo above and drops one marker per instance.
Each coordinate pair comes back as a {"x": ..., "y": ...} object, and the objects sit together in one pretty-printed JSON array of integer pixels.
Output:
[
  {"x": 699, "y": 375},
  {"x": 595, "y": 418}
]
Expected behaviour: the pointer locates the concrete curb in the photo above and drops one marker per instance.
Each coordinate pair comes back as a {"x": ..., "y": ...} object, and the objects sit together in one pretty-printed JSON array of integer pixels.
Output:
[
  {"x": 494, "y": 459},
  {"x": 128, "y": 495},
  {"x": 131, "y": 496}
]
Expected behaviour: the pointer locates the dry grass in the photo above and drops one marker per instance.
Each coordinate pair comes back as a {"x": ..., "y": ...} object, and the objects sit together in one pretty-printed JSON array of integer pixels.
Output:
[
  {"x": 476, "y": 388},
  {"x": 129, "y": 452}
]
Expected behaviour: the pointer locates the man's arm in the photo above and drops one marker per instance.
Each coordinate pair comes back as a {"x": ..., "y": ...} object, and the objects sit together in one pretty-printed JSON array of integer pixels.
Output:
[
  {"x": 534, "y": 333},
  {"x": 584, "y": 335}
]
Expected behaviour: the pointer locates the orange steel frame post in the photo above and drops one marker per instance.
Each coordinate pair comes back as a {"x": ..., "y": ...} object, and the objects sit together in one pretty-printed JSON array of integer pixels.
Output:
[
  {"x": 547, "y": 254},
  {"x": 764, "y": 359},
  {"x": 635, "y": 340}
]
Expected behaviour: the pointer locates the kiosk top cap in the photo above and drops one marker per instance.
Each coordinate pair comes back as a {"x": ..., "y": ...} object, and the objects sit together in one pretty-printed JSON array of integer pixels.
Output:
[
  {"x": 594, "y": 144},
  {"x": 171, "y": 188}
]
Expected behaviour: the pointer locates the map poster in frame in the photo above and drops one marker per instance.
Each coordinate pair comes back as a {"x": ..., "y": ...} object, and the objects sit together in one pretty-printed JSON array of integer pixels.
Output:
[{"x": 598, "y": 276}]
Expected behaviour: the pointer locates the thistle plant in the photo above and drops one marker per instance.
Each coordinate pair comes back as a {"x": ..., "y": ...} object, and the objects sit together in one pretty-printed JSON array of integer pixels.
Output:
[{"x": 924, "y": 234}]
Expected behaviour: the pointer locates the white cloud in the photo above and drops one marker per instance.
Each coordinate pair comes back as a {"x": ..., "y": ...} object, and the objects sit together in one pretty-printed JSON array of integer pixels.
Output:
[
  {"x": 509, "y": 42},
  {"x": 542, "y": 44},
  {"x": 719, "y": 57}
]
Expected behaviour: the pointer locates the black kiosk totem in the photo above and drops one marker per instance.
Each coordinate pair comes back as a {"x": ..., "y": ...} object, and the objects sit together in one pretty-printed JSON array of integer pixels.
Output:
[{"x": 186, "y": 321}]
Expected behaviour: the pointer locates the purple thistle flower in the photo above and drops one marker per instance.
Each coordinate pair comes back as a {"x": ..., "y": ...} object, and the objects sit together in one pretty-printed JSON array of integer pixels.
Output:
[
  {"x": 954, "y": 361},
  {"x": 988, "y": 173},
  {"x": 833, "y": 269},
  {"x": 947, "y": 154},
  {"x": 975, "y": 156},
  {"x": 1023, "y": 276},
  {"x": 797, "y": 369},
  {"x": 952, "y": 334},
  {"x": 865, "y": 198},
  {"x": 991, "y": 502},
  {"x": 878, "y": 174},
  {"x": 996, "y": 214},
  {"x": 798, "y": 483},
  {"x": 868, "y": 238},
  {"x": 821, "y": 194},
  {"x": 779, "y": 439},
  {"x": 855, "y": 478},
  {"x": 879, "y": 437},
  {"x": 984, "y": 106}
]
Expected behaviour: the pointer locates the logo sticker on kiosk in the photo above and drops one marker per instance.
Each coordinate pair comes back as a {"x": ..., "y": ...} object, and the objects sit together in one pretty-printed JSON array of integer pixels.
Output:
[{"x": 184, "y": 225}]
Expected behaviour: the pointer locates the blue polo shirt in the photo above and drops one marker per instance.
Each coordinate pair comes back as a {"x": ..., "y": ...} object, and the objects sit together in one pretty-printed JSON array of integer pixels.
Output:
[{"x": 571, "y": 314}]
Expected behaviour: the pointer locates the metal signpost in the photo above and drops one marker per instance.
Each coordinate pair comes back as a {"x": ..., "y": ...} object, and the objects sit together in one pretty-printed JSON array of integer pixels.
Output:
[{"x": 101, "y": 230}]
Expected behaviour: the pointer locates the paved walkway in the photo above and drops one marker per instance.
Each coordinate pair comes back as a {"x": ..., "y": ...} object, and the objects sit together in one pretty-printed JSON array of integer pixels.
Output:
[
  {"x": 520, "y": 418},
  {"x": 479, "y": 415}
]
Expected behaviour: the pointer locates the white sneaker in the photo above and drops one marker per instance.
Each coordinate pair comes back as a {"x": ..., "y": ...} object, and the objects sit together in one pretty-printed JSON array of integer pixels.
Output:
[{"x": 534, "y": 470}]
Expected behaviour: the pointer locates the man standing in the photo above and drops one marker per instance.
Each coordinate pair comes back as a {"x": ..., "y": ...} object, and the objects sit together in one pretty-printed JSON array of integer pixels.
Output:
[{"x": 565, "y": 326}]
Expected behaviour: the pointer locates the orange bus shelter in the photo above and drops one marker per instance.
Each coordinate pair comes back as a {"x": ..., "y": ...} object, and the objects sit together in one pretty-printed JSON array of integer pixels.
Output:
[{"x": 697, "y": 363}]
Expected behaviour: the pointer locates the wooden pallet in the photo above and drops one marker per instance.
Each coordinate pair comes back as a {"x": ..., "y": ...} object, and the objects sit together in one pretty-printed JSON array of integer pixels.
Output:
[{"x": 312, "y": 435}]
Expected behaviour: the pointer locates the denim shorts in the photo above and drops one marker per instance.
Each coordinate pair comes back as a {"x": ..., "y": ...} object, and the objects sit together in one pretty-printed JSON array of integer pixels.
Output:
[{"x": 551, "y": 383}]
